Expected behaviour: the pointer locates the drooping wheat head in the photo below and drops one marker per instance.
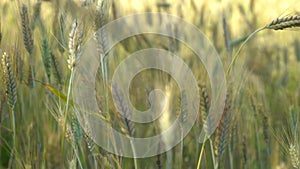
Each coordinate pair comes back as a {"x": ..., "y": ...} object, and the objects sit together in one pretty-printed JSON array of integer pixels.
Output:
[{"x": 284, "y": 22}]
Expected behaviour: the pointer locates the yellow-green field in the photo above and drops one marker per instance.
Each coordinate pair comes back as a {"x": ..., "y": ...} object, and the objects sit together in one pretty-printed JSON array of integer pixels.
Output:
[{"x": 41, "y": 45}]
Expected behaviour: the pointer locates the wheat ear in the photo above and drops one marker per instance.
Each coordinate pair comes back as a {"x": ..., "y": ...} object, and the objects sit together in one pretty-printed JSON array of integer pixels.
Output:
[
  {"x": 294, "y": 155},
  {"x": 284, "y": 22},
  {"x": 27, "y": 33},
  {"x": 75, "y": 40},
  {"x": 222, "y": 130},
  {"x": 9, "y": 80},
  {"x": 11, "y": 93}
]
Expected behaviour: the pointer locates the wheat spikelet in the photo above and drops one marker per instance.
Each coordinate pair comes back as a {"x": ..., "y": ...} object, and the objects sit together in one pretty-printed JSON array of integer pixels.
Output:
[
  {"x": 75, "y": 127},
  {"x": 265, "y": 124},
  {"x": 124, "y": 111},
  {"x": 68, "y": 133},
  {"x": 204, "y": 105},
  {"x": 46, "y": 57},
  {"x": 284, "y": 22},
  {"x": 27, "y": 34},
  {"x": 88, "y": 138},
  {"x": 222, "y": 130},
  {"x": 75, "y": 40},
  {"x": 184, "y": 104},
  {"x": 9, "y": 80},
  {"x": 294, "y": 155},
  {"x": 56, "y": 68}
]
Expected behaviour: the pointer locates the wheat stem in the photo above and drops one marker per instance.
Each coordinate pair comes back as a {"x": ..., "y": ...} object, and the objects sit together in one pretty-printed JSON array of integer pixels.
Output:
[{"x": 236, "y": 56}]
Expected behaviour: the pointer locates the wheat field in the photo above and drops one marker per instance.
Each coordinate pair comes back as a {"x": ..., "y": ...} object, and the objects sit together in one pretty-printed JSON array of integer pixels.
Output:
[{"x": 43, "y": 41}]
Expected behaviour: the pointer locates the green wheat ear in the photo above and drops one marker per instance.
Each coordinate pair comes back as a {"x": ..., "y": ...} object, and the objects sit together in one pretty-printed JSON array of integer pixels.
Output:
[
  {"x": 9, "y": 80},
  {"x": 46, "y": 57},
  {"x": 26, "y": 29}
]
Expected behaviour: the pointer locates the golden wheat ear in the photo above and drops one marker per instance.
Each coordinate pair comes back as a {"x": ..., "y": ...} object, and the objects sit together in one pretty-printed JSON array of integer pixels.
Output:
[{"x": 284, "y": 22}]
